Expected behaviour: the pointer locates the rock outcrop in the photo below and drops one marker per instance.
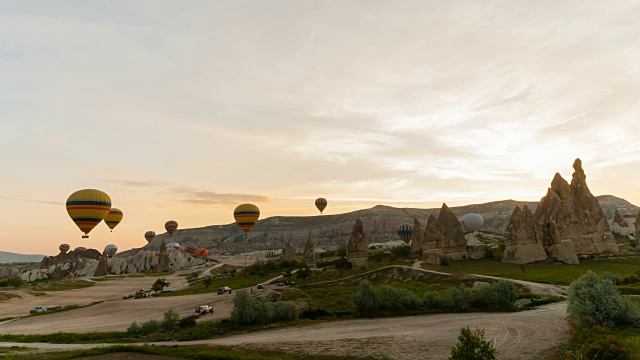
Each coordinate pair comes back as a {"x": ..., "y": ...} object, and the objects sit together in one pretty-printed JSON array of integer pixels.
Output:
[
  {"x": 288, "y": 252},
  {"x": 524, "y": 238},
  {"x": 357, "y": 251},
  {"x": 445, "y": 237},
  {"x": 310, "y": 253},
  {"x": 475, "y": 248},
  {"x": 621, "y": 226},
  {"x": 163, "y": 259},
  {"x": 431, "y": 246},
  {"x": 619, "y": 219},
  {"x": 416, "y": 237},
  {"x": 103, "y": 265}
]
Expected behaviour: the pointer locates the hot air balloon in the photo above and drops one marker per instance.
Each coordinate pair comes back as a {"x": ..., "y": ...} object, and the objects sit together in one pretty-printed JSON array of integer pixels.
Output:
[
  {"x": 246, "y": 216},
  {"x": 80, "y": 248},
  {"x": 110, "y": 250},
  {"x": 173, "y": 245},
  {"x": 321, "y": 204},
  {"x": 405, "y": 231},
  {"x": 87, "y": 208},
  {"x": 113, "y": 218},
  {"x": 64, "y": 248},
  {"x": 472, "y": 222},
  {"x": 171, "y": 226},
  {"x": 191, "y": 249},
  {"x": 150, "y": 235},
  {"x": 202, "y": 252}
]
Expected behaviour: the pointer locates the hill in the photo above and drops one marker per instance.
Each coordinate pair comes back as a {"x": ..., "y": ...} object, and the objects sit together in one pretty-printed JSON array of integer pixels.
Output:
[
  {"x": 330, "y": 231},
  {"x": 9, "y": 257}
]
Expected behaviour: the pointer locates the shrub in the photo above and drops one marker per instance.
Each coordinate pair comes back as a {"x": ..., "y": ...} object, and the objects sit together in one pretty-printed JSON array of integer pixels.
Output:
[
  {"x": 615, "y": 279},
  {"x": 595, "y": 300},
  {"x": 313, "y": 313},
  {"x": 16, "y": 282},
  {"x": 248, "y": 310},
  {"x": 133, "y": 328},
  {"x": 631, "y": 279},
  {"x": 364, "y": 300},
  {"x": 394, "y": 299},
  {"x": 445, "y": 260},
  {"x": 139, "y": 294},
  {"x": 500, "y": 296},
  {"x": 170, "y": 320},
  {"x": 284, "y": 311},
  {"x": 473, "y": 346},
  {"x": 186, "y": 322},
  {"x": 599, "y": 343},
  {"x": 150, "y": 326},
  {"x": 460, "y": 298},
  {"x": 433, "y": 300}
]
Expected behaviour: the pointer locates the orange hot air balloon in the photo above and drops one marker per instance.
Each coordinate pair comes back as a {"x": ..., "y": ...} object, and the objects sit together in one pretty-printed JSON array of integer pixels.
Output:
[
  {"x": 113, "y": 218},
  {"x": 246, "y": 216},
  {"x": 202, "y": 252},
  {"x": 171, "y": 226}
]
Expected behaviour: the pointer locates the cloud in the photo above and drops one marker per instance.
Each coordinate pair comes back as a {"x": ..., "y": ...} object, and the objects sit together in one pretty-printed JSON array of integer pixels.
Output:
[
  {"x": 33, "y": 201},
  {"x": 144, "y": 184},
  {"x": 204, "y": 197}
]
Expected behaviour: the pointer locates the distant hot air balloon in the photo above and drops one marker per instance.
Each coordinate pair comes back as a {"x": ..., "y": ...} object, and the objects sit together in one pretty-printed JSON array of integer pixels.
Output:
[
  {"x": 87, "y": 208},
  {"x": 246, "y": 216},
  {"x": 80, "y": 248},
  {"x": 110, "y": 250},
  {"x": 113, "y": 218},
  {"x": 150, "y": 235},
  {"x": 173, "y": 245},
  {"x": 405, "y": 231},
  {"x": 64, "y": 248},
  {"x": 191, "y": 248},
  {"x": 472, "y": 222},
  {"x": 321, "y": 204},
  {"x": 202, "y": 252},
  {"x": 171, "y": 226}
]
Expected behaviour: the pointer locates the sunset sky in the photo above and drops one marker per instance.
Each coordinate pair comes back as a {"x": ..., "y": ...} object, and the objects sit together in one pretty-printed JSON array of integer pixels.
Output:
[{"x": 184, "y": 109}]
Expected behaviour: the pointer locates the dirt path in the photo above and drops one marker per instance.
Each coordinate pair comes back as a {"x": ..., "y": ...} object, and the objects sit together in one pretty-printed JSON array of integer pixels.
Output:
[
  {"x": 537, "y": 288},
  {"x": 523, "y": 335}
]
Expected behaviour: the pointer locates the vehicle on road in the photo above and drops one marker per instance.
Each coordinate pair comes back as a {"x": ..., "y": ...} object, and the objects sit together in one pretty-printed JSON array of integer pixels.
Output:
[
  {"x": 166, "y": 289},
  {"x": 260, "y": 287},
  {"x": 223, "y": 290},
  {"x": 204, "y": 309},
  {"x": 38, "y": 309}
]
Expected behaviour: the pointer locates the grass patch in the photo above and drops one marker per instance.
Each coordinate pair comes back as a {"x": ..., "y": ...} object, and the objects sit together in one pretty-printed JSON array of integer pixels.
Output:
[
  {"x": 109, "y": 277},
  {"x": 66, "y": 285},
  {"x": 135, "y": 275},
  {"x": 7, "y": 295},
  {"x": 184, "y": 352},
  {"x": 166, "y": 273},
  {"x": 64, "y": 308}
]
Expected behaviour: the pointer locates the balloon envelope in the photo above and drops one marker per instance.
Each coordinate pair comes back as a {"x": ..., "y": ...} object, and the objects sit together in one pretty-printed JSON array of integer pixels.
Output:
[
  {"x": 150, "y": 235},
  {"x": 472, "y": 222},
  {"x": 87, "y": 208},
  {"x": 173, "y": 245},
  {"x": 111, "y": 249},
  {"x": 405, "y": 231},
  {"x": 64, "y": 248},
  {"x": 171, "y": 226},
  {"x": 246, "y": 216},
  {"x": 113, "y": 218},
  {"x": 202, "y": 252},
  {"x": 80, "y": 248},
  {"x": 321, "y": 204},
  {"x": 191, "y": 248}
]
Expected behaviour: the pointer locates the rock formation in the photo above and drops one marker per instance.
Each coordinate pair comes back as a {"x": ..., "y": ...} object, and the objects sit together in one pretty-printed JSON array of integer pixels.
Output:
[
  {"x": 103, "y": 265},
  {"x": 621, "y": 226},
  {"x": 524, "y": 238},
  {"x": 289, "y": 252},
  {"x": 163, "y": 259},
  {"x": 572, "y": 219},
  {"x": 357, "y": 246},
  {"x": 416, "y": 237},
  {"x": 310, "y": 253},
  {"x": 475, "y": 248},
  {"x": 619, "y": 219},
  {"x": 444, "y": 237}
]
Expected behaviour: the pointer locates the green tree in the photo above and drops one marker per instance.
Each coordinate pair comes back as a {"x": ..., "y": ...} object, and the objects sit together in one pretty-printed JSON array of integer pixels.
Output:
[
  {"x": 303, "y": 273},
  {"x": 159, "y": 285},
  {"x": 171, "y": 320},
  {"x": 473, "y": 346},
  {"x": 16, "y": 282},
  {"x": 192, "y": 277},
  {"x": 460, "y": 298},
  {"x": 341, "y": 252},
  {"x": 233, "y": 272},
  {"x": 364, "y": 300},
  {"x": 208, "y": 281}
]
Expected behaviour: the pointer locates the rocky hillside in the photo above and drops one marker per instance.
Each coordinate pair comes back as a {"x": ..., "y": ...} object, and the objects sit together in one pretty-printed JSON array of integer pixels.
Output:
[
  {"x": 330, "y": 231},
  {"x": 9, "y": 257}
]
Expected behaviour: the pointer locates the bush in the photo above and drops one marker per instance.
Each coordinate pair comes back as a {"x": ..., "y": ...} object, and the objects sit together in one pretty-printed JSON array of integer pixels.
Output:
[
  {"x": 499, "y": 296},
  {"x": 314, "y": 313},
  {"x": 284, "y": 311},
  {"x": 445, "y": 260},
  {"x": 170, "y": 320},
  {"x": 473, "y": 346},
  {"x": 598, "y": 343},
  {"x": 133, "y": 328},
  {"x": 248, "y": 310},
  {"x": 460, "y": 298},
  {"x": 149, "y": 327},
  {"x": 188, "y": 321},
  {"x": 433, "y": 300},
  {"x": 615, "y": 279},
  {"x": 631, "y": 279},
  {"x": 16, "y": 282},
  {"x": 595, "y": 300},
  {"x": 364, "y": 300},
  {"x": 394, "y": 299}
]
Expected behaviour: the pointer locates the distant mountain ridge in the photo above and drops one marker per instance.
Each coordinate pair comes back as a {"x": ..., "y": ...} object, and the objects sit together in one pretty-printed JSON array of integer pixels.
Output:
[
  {"x": 329, "y": 231},
  {"x": 9, "y": 257}
]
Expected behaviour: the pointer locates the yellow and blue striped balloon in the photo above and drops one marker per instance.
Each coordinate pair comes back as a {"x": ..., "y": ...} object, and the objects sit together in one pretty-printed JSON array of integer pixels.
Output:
[
  {"x": 171, "y": 226},
  {"x": 246, "y": 216},
  {"x": 87, "y": 208},
  {"x": 321, "y": 204},
  {"x": 405, "y": 231},
  {"x": 113, "y": 218},
  {"x": 149, "y": 235}
]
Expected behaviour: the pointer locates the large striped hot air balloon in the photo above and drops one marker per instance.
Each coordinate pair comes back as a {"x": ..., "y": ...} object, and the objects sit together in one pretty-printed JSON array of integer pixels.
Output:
[
  {"x": 321, "y": 204},
  {"x": 171, "y": 226},
  {"x": 202, "y": 252},
  {"x": 111, "y": 250},
  {"x": 87, "y": 208},
  {"x": 191, "y": 248},
  {"x": 150, "y": 235},
  {"x": 405, "y": 231},
  {"x": 113, "y": 218},
  {"x": 64, "y": 248},
  {"x": 246, "y": 216}
]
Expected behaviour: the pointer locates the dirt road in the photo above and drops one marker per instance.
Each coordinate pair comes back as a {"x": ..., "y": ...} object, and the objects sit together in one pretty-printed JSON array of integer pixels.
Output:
[{"x": 522, "y": 335}]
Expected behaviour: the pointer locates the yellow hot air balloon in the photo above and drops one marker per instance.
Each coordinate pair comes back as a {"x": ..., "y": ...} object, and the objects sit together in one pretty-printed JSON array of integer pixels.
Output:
[
  {"x": 246, "y": 216},
  {"x": 87, "y": 208},
  {"x": 113, "y": 218}
]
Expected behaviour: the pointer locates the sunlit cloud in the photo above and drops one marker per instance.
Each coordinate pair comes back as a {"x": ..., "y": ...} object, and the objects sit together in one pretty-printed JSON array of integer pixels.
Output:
[{"x": 204, "y": 197}]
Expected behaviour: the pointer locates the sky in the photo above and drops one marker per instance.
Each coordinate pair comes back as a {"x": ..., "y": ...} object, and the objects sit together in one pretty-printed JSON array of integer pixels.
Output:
[{"x": 183, "y": 110}]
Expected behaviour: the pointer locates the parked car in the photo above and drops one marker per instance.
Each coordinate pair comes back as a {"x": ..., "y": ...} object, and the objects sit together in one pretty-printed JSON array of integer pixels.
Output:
[
  {"x": 223, "y": 290},
  {"x": 260, "y": 287},
  {"x": 203, "y": 309},
  {"x": 166, "y": 289},
  {"x": 38, "y": 309}
]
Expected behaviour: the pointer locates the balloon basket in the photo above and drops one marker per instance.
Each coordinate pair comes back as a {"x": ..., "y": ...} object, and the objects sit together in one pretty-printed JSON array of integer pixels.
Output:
[{"x": 85, "y": 236}]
